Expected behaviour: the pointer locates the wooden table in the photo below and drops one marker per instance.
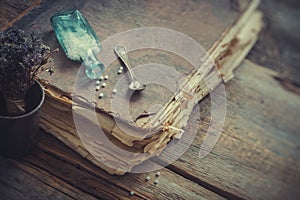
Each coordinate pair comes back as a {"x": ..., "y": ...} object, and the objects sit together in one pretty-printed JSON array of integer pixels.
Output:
[{"x": 256, "y": 157}]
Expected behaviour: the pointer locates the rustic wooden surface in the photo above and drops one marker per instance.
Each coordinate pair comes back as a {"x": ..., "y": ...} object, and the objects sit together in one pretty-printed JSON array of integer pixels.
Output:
[
  {"x": 13, "y": 10},
  {"x": 256, "y": 157},
  {"x": 279, "y": 46}
]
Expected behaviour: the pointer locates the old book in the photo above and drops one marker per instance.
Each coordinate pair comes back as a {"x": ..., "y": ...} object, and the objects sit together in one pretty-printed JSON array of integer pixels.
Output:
[{"x": 226, "y": 30}]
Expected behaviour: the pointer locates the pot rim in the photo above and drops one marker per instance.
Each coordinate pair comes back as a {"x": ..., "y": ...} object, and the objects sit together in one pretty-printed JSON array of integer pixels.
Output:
[{"x": 34, "y": 110}]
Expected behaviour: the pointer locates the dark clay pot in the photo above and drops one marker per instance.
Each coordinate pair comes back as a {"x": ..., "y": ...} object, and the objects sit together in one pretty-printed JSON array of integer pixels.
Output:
[{"x": 18, "y": 134}]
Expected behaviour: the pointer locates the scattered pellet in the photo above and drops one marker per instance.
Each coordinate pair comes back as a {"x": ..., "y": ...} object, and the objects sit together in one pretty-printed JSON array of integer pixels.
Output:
[
  {"x": 157, "y": 174},
  {"x": 156, "y": 181},
  {"x": 97, "y": 88},
  {"x": 103, "y": 85},
  {"x": 121, "y": 68},
  {"x": 120, "y": 71},
  {"x": 101, "y": 78},
  {"x": 147, "y": 178},
  {"x": 97, "y": 82},
  {"x": 101, "y": 95},
  {"x": 114, "y": 91},
  {"x": 131, "y": 193},
  {"x": 105, "y": 77}
]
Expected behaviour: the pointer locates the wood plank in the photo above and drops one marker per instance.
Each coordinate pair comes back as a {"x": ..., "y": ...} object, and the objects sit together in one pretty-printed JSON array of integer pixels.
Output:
[
  {"x": 13, "y": 10},
  {"x": 16, "y": 183},
  {"x": 278, "y": 46},
  {"x": 257, "y": 155},
  {"x": 63, "y": 163}
]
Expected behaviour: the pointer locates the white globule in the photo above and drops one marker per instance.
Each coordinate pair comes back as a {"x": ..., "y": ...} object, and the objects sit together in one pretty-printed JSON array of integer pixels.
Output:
[
  {"x": 101, "y": 95},
  {"x": 147, "y": 178},
  {"x": 103, "y": 85},
  {"x": 105, "y": 77},
  {"x": 114, "y": 91}
]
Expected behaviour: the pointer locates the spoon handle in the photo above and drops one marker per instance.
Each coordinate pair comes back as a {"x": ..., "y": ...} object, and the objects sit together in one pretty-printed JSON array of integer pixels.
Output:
[{"x": 121, "y": 51}]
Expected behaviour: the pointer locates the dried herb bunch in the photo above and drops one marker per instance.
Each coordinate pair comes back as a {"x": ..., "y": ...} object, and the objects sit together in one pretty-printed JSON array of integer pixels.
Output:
[{"x": 21, "y": 58}]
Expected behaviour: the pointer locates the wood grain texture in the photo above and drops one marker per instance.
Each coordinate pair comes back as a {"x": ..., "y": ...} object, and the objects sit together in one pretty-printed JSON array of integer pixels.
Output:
[
  {"x": 56, "y": 166},
  {"x": 13, "y": 10},
  {"x": 257, "y": 155},
  {"x": 18, "y": 181}
]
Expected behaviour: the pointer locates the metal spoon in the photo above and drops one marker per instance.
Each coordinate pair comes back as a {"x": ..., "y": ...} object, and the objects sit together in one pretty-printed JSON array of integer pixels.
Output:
[{"x": 121, "y": 51}]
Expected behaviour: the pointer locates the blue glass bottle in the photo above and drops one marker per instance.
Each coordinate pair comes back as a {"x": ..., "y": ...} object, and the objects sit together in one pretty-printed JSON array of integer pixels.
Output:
[{"x": 78, "y": 40}]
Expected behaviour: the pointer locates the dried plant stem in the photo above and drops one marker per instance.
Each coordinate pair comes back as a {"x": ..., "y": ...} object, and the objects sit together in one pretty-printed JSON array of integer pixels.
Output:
[{"x": 15, "y": 107}]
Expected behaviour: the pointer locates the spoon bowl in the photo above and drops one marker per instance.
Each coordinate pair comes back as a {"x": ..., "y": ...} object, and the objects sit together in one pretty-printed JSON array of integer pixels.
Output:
[{"x": 135, "y": 85}]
